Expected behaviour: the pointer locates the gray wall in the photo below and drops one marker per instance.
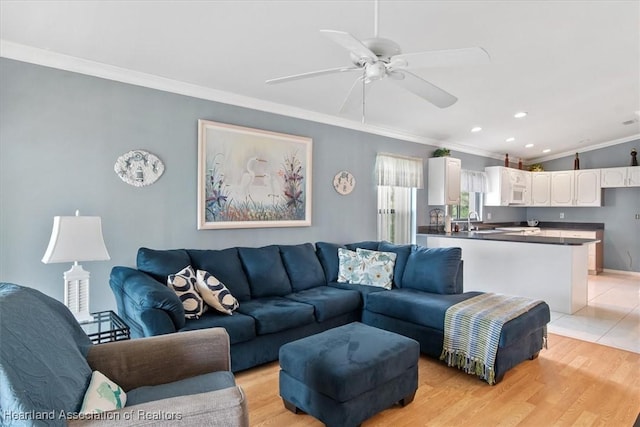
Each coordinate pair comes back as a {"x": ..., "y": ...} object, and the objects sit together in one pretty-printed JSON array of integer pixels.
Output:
[
  {"x": 61, "y": 133},
  {"x": 622, "y": 230}
]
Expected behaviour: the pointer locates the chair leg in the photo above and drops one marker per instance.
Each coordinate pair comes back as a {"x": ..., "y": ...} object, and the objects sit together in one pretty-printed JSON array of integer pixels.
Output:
[
  {"x": 407, "y": 399},
  {"x": 290, "y": 406}
]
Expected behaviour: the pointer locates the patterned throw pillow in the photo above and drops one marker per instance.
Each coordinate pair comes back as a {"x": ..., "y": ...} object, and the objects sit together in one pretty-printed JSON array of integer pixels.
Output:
[
  {"x": 183, "y": 284},
  {"x": 102, "y": 395},
  {"x": 349, "y": 265},
  {"x": 377, "y": 268},
  {"x": 214, "y": 293}
]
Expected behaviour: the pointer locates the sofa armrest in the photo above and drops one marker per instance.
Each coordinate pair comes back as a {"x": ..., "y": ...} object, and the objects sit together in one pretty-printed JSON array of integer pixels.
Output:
[
  {"x": 137, "y": 292},
  {"x": 162, "y": 359},
  {"x": 220, "y": 408}
]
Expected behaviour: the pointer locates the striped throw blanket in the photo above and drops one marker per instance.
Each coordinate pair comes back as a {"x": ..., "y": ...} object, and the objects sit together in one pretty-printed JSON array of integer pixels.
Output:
[{"x": 472, "y": 331}]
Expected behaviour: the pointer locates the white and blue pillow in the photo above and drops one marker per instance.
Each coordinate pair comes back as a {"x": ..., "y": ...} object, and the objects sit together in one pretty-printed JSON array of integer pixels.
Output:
[
  {"x": 184, "y": 285},
  {"x": 215, "y": 293},
  {"x": 366, "y": 267}
]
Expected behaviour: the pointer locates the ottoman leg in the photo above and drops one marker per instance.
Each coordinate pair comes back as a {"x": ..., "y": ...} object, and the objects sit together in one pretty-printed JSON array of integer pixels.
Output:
[
  {"x": 290, "y": 406},
  {"x": 407, "y": 399}
]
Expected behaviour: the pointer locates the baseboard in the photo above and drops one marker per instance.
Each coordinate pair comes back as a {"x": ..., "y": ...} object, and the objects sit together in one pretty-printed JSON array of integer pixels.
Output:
[{"x": 623, "y": 272}]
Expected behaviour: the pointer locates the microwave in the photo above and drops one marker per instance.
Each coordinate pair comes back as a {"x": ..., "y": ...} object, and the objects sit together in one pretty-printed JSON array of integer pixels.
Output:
[{"x": 517, "y": 196}]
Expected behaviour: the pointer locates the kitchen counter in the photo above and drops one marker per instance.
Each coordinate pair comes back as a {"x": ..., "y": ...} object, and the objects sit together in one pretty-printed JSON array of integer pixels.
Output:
[
  {"x": 505, "y": 236},
  {"x": 551, "y": 269}
]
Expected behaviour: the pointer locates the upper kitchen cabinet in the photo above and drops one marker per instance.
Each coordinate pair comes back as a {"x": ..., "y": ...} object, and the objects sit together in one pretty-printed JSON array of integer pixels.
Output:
[
  {"x": 540, "y": 189},
  {"x": 507, "y": 186},
  {"x": 576, "y": 188},
  {"x": 444, "y": 181},
  {"x": 620, "y": 177}
]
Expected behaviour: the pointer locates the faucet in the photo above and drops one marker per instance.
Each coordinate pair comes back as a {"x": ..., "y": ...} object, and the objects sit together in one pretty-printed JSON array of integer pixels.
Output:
[{"x": 472, "y": 213}]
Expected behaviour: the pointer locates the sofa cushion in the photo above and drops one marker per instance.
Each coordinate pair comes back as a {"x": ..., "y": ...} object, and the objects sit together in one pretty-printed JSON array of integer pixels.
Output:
[
  {"x": 367, "y": 244},
  {"x": 349, "y": 266},
  {"x": 159, "y": 264},
  {"x": 402, "y": 255},
  {"x": 190, "y": 386},
  {"x": 240, "y": 327},
  {"x": 328, "y": 256},
  {"x": 377, "y": 268},
  {"x": 184, "y": 285},
  {"x": 432, "y": 269},
  {"x": 303, "y": 267},
  {"x": 415, "y": 306},
  {"x": 274, "y": 314},
  {"x": 266, "y": 273},
  {"x": 215, "y": 293},
  {"x": 328, "y": 302},
  {"x": 226, "y": 266}
]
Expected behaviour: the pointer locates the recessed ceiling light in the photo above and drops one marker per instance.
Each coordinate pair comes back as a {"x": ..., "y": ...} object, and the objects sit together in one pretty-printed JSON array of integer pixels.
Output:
[
  {"x": 476, "y": 129},
  {"x": 510, "y": 139},
  {"x": 520, "y": 114},
  {"x": 546, "y": 150},
  {"x": 528, "y": 146}
]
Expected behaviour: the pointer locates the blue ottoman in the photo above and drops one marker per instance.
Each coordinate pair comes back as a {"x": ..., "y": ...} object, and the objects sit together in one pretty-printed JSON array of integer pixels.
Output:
[{"x": 347, "y": 374}]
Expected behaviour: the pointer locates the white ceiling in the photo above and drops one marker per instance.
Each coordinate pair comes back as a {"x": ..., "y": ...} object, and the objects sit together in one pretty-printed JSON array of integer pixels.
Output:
[{"x": 574, "y": 66}]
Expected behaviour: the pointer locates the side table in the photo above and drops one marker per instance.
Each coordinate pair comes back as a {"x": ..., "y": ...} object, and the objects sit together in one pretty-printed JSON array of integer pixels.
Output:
[{"x": 106, "y": 326}]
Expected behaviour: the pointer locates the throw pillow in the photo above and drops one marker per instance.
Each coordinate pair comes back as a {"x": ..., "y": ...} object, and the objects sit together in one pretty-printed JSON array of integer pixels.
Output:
[
  {"x": 184, "y": 285},
  {"x": 214, "y": 293},
  {"x": 377, "y": 268},
  {"x": 350, "y": 265},
  {"x": 102, "y": 395}
]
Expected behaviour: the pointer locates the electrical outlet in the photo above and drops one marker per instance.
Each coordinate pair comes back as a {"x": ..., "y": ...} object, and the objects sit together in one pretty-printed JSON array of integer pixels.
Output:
[
  {"x": 489, "y": 215},
  {"x": 561, "y": 215}
]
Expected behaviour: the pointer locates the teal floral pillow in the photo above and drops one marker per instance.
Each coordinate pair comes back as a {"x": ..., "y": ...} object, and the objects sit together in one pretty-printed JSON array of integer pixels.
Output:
[
  {"x": 377, "y": 268},
  {"x": 350, "y": 265}
]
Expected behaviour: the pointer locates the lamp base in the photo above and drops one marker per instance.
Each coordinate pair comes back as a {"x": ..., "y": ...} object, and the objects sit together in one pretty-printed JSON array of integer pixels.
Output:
[
  {"x": 76, "y": 292},
  {"x": 84, "y": 317}
]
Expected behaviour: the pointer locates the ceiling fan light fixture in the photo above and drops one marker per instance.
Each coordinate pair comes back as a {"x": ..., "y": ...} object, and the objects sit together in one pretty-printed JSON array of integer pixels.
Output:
[{"x": 520, "y": 114}]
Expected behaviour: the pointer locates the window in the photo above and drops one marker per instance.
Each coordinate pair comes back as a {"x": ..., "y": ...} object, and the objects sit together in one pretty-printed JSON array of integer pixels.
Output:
[
  {"x": 397, "y": 179},
  {"x": 469, "y": 202}
]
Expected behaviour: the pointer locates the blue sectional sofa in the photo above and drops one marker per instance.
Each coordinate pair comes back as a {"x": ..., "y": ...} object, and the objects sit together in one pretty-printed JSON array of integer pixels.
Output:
[{"x": 287, "y": 292}]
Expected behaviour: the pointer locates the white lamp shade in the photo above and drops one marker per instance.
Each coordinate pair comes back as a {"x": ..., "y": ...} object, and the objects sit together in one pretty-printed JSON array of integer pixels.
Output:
[{"x": 76, "y": 238}]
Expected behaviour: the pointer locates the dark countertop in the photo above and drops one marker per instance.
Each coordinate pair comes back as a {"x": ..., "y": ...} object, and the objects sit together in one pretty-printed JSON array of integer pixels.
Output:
[
  {"x": 503, "y": 237},
  {"x": 588, "y": 226}
]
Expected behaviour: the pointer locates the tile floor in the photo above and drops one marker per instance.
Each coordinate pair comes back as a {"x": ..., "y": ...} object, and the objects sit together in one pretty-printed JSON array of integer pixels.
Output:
[{"x": 612, "y": 316}]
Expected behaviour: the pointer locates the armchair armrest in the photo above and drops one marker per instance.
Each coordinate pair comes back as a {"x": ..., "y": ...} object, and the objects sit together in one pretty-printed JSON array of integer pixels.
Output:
[
  {"x": 137, "y": 293},
  {"x": 162, "y": 359}
]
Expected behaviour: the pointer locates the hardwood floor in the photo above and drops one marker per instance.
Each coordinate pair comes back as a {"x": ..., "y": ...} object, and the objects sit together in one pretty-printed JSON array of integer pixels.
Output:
[{"x": 573, "y": 383}]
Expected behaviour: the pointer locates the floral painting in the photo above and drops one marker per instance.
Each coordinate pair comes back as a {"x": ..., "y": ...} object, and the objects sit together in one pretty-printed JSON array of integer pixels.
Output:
[{"x": 250, "y": 178}]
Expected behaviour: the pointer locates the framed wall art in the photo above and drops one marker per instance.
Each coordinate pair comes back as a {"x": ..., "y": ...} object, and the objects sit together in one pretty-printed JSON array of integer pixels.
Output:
[{"x": 251, "y": 178}]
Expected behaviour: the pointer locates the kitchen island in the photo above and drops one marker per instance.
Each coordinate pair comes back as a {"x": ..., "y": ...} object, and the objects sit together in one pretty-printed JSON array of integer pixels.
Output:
[{"x": 552, "y": 269}]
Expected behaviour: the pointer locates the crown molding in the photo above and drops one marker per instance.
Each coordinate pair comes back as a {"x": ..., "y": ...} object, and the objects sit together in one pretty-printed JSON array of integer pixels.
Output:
[{"x": 585, "y": 149}]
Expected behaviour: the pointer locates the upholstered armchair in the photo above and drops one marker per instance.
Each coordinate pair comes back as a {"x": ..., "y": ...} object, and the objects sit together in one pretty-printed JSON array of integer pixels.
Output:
[{"x": 46, "y": 362}]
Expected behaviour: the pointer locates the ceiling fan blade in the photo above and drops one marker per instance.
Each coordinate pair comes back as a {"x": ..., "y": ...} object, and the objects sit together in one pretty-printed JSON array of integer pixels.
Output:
[
  {"x": 312, "y": 74},
  {"x": 441, "y": 58},
  {"x": 354, "y": 97},
  {"x": 424, "y": 89},
  {"x": 352, "y": 44}
]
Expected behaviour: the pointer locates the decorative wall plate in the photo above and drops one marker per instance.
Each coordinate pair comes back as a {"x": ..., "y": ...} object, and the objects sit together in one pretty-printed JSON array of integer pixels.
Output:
[
  {"x": 344, "y": 182},
  {"x": 139, "y": 168}
]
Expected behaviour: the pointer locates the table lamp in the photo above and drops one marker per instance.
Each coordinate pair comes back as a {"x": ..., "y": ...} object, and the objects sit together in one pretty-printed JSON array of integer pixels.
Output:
[{"x": 73, "y": 239}]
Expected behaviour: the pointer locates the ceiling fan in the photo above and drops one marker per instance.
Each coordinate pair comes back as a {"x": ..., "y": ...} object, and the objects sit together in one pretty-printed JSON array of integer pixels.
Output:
[{"x": 377, "y": 58}]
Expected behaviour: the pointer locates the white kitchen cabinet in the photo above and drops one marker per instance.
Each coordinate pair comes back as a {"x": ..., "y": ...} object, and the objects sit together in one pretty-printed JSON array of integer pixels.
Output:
[
  {"x": 444, "y": 181},
  {"x": 576, "y": 188},
  {"x": 540, "y": 189},
  {"x": 620, "y": 177},
  {"x": 507, "y": 186},
  {"x": 562, "y": 183}
]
